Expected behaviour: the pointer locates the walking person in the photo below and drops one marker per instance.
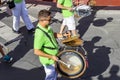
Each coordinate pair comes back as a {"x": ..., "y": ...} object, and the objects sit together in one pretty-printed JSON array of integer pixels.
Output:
[
  {"x": 45, "y": 45},
  {"x": 68, "y": 16},
  {"x": 21, "y": 10}
]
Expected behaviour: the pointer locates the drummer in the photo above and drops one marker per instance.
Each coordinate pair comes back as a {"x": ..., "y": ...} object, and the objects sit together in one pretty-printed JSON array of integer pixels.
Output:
[
  {"x": 45, "y": 45},
  {"x": 68, "y": 16}
]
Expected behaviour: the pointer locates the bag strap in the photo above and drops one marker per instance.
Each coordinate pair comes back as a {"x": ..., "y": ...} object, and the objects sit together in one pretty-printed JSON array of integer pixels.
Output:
[{"x": 48, "y": 37}]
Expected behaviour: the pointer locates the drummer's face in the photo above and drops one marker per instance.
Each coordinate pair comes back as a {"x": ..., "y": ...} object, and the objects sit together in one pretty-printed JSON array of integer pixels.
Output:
[{"x": 46, "y": 20}]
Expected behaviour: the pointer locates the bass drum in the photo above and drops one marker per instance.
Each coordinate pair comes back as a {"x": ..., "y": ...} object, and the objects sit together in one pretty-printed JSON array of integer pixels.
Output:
[{"x": 76, "y": 61}]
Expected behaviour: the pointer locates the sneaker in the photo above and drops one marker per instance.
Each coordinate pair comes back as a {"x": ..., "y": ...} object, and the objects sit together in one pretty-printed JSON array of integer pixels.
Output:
[
  {"x": 7, "y": 58},
  {"x": 31, "y": 30},
  {"x": 17, "y": 32}
]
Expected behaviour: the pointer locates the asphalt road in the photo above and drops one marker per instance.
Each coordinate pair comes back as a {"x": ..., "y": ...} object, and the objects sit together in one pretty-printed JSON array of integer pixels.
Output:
[{"x": 100, "y": 32}]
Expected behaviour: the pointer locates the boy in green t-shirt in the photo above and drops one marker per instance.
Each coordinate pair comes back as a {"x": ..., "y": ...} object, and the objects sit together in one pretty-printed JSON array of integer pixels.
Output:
[
  {"x": 45, "y": 45},
  {"x": 68, "y": 15}
]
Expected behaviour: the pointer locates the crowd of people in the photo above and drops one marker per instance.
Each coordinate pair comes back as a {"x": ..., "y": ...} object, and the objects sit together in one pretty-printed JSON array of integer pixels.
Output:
[{"x": 45, "y": 44}]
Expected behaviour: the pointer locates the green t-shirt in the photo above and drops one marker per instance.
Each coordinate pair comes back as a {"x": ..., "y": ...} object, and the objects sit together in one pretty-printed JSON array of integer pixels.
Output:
[
  {"x": 18, "y": 1},
  {"x": 67, "y": 3},
  {"x": 40, "y": 40}
]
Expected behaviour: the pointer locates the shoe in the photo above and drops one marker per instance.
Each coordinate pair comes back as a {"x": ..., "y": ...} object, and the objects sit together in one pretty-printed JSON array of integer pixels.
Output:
[
  {"x": 7, "y": 58},
  {"x": 31, "y": 30},
  {"x": 17, "y": 32}
]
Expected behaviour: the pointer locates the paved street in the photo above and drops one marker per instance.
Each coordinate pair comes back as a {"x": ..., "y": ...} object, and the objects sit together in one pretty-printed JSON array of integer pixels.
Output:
[{"x": 100, "y": 32}]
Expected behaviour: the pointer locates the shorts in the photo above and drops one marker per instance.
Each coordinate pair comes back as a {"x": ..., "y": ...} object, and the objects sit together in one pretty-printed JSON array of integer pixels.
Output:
[{"x": 69, "y": 22}]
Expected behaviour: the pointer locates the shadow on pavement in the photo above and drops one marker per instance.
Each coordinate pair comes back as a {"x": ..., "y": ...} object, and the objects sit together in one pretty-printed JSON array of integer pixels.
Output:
[
  {"x": 24, "y": 45},
  {"x": 98, "y": 58},
  {"x": 4, "y": 14},
  {"x": 82, "y": 27},
  {"x": 85, "y": 22},
  {"x": 101, "y": 22},
  {"x": 11, "y": 73},
  {"x": 113, "y": 74},
  {"x": 25, "y": 65}
]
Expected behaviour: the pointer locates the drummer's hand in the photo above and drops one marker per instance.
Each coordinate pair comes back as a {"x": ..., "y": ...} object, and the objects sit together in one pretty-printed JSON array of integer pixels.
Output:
[
  {"x": 55, "y": 58},
  {"x": 67, "y": 34},
  {"x": 70, "y": 9}
]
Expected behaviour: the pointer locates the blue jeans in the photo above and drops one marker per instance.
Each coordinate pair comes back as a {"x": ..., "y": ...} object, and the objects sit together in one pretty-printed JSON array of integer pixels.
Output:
[{"x": 50, "y": 71}]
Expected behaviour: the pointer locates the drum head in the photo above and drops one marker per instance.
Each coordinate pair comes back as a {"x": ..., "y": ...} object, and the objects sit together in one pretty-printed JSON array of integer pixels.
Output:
[{"x": 76, "y": 61}]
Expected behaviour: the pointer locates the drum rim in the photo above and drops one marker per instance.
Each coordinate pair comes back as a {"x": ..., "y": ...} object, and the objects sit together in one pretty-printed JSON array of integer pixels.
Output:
[{"x": 84, "y": 61}]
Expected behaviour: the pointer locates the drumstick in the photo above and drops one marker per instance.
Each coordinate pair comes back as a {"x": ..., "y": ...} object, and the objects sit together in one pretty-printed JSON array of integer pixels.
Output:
[{"x": 68, "y": 65}]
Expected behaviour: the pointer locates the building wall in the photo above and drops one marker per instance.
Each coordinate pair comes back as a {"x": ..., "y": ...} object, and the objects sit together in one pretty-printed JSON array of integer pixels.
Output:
[
  {"x": 107, "y": 2},
  {"x": 99, "y": 2}
]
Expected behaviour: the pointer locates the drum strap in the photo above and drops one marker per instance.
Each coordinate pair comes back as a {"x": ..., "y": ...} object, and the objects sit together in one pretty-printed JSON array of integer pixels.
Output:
[{"x": 49, "y": 39}]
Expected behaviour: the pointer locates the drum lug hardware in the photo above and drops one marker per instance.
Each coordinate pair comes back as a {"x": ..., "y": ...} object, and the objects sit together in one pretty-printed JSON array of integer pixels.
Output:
[
  {"x": 77, "y": 49},
  {"x": 84, "y": 50}
]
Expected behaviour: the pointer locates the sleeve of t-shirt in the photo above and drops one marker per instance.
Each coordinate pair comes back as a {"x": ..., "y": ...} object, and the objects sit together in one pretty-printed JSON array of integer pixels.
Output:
[{"x": 38, "y": 39}]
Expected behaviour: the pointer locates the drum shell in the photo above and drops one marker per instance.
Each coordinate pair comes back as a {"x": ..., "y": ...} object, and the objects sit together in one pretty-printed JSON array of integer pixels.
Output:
[{"x": 77, "y": 71}]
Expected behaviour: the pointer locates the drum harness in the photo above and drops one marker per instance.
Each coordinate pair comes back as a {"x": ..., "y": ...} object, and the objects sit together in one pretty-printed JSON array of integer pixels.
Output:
[{"x": 52, "y": 48}]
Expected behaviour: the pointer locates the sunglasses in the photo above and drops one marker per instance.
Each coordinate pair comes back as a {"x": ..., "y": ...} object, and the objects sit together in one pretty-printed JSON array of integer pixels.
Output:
[{"x": 45, "y": 19}]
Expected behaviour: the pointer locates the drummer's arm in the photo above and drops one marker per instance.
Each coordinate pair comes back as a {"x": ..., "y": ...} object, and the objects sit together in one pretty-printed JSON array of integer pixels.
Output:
[
  {"x": 63, "y": 7},
  {"x": 41, "y": 53},
  {"x": 59, "y": 35}
]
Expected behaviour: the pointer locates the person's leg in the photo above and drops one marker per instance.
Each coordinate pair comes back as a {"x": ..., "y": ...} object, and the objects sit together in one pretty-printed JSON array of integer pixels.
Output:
[
  {"x": 71, "y": 25},
  {"x": 74, "y": 32},
  {"x": 6, "y": 58},
  {"x": 16, "y": 16},
  {"x": 62, "y": 26},
  {"x": 1, "y": 51},
  {"x": 51, "y": 73},
  {"x": 25, "y": 17}
]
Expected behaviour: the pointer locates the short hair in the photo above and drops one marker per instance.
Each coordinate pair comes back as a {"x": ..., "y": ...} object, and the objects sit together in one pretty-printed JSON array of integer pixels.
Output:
[{"x": 44, "y": 13}]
